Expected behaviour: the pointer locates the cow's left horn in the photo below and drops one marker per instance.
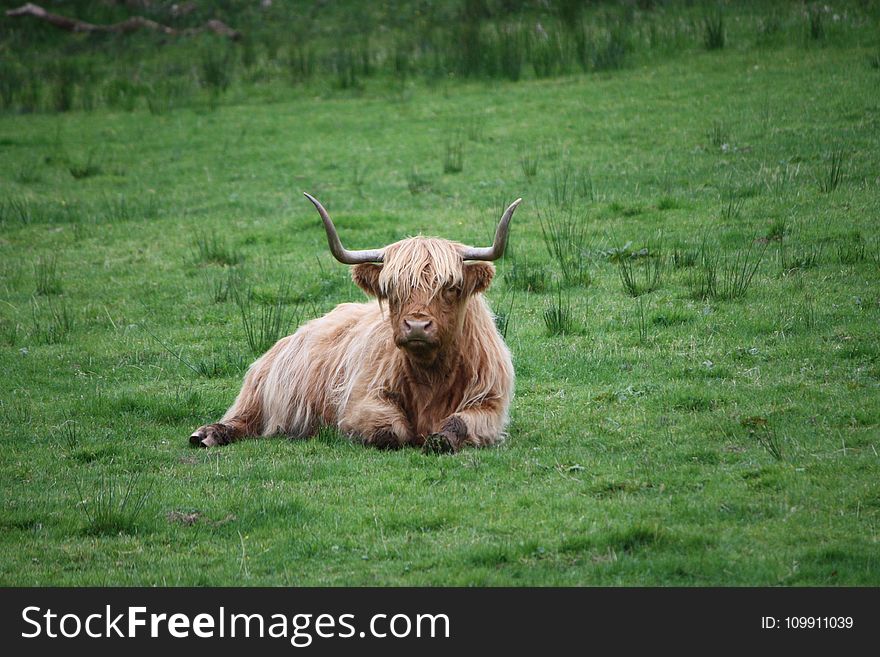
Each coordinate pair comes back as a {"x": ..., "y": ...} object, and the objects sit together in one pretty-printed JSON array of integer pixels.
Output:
[
  {"x": 342, "y": 254},
  {"x": 497, "y": 249}
]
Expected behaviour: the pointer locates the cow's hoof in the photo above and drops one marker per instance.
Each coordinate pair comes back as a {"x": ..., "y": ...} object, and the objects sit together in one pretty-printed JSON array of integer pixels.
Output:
[
  {"x": 210, "y": 435},
  {"x": 438, "y": 443}
]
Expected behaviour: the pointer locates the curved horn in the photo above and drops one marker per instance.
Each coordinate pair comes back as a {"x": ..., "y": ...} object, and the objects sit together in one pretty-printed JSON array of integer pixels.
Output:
[
  {"x": 342, "y": 254},
  {"x": 497, "y": 249}
]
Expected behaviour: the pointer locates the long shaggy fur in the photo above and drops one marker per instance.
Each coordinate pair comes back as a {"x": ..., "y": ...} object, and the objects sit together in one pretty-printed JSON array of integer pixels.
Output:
[{"x": 344, "y": 369}]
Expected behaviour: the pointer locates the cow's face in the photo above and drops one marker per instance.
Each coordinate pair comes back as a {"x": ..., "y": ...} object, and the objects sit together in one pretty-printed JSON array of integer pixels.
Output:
[{"x": 426, "y": 286}]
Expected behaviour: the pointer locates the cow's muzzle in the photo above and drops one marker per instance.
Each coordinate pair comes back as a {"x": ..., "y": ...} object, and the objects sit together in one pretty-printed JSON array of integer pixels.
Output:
[{"x": 417, "y": 334}]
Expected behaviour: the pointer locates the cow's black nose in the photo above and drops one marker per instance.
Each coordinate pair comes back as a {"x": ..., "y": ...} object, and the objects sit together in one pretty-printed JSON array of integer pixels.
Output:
[{"x": 416, "y": 328}]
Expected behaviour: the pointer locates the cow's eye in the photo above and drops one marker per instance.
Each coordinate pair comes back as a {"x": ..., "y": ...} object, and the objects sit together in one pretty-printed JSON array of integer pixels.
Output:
[{"x": 452, "y": 293}]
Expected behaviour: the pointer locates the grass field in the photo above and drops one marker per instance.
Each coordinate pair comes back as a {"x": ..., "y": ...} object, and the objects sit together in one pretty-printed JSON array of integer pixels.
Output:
[{"x": 691, "y": 296}]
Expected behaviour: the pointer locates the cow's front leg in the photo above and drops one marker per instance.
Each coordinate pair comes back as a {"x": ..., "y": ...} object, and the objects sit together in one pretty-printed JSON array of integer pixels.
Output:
[
  {"x": 478, "y": 426},
  {"x": 378, "y": 424}
]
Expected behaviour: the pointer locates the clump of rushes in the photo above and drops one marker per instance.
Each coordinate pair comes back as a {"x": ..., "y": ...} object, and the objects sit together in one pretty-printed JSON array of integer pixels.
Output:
[
  {"x": 565, "y": 235},
  {"x": 453, "y": 159},
  {"x": 718, "y": 135},
  {"x": 211, "y": 248},
  {"x": 528, "y": 162},
  {"x": 504, "y": 316},
  {"x": 417, "y": 183},
  {"x": 640, "y": 275},
  {"x": 714, "y": 36},
  {"x": 526, "y": 277},
  {"x": 852, "y": 250},
  {"x": 641, "y": 320},
  {"x": 46, "y": 274},
  {"x": 833, "y": 174},
  {"x": 805, "y": 256},
  {"x": 224, "y": 285},
  {"x": 52, "y": 323},
  {"x": 684, "y": 257},
  {"x": 731, "y": 208},
  {"x": 760, "y": 429},
  {"x": 264, "y": 324},
  {"x": 115, "y": 507},
  {"x": 558, "y": 318},
  {"x": 727, "y": 278}
]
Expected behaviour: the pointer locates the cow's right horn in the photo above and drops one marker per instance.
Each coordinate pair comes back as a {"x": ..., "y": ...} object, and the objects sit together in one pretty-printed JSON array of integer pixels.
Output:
[{"x": 342, "y": 254}]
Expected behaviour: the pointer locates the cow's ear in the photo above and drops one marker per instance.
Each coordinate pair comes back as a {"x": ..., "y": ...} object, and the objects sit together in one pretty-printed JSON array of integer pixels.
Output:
[
  {"x": 477, "y": 276},
  {"x": 366, "y": 277}
]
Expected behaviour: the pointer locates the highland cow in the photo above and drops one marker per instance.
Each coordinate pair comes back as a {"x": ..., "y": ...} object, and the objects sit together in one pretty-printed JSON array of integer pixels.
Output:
[{"x": 423, "y": 364}]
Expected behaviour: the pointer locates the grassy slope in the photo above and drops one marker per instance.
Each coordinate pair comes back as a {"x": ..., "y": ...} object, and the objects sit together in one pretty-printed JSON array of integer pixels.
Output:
[{"x": 628, "y": 462}]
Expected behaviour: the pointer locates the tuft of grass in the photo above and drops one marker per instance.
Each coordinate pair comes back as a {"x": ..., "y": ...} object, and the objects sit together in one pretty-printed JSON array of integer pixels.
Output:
[
  {"x": 115, "y": 507},
  {"x": 714, "y": 34},
  {"x": 667, "y": 203},
  {"x": 264, "y": 323},
  {"x": 569, "y": 186},
  {"x": 760, "y": 430},
  {"x": 815, "y": 22},
  {"x": 225, "y": 284},
  {"x": 11, "y": 274},
  {"x": 558, "y": 317},
  {"x": 220, "y": 363},
  {"x": 17, "y": 209},
  {"x": 528, "y": 162},
  {"x": 216, "y": 67},
  {"x": 641, "y": 319},
  {"x": 833, "y": 174},
  {"x": 210, "y": 247},
  {"x": 117, "y": 209},
  {"x": 726, "y": 278},
  {"x": 778, "y": 180},
  {"x": 738, "y": 272},
  {"x": 802, "y": 256},
  {"x": 453, "y": 157},
  {"x": 69, "y": 435},
  {"x": 684, "y": 257},
  {"x": 527, "y": 277},
  {"x": 48, "y": 280},
  {"x": 474, "y": 128},
  {"x": 122, "y": 94},
  {"x": 350, "y": 66},
  {"x": 808, "y": 312},
  {"x": 9, "y": 329},
  {"x": 718, "y": 135},
  {"x": 641, "y": 275},
  {"x": 87, "y": 169},
  {"x": 777, "y": 230},
  {"x": 301, "y": 62},
  {"x": 51, "y": 322},
  {"x": 852, "y": 250},
  {"x": 504, "y": 316},
  {"x": 564, "y": 230},
  {"x": 417, "y": 183},
  {"x": 66, "y": 74}
]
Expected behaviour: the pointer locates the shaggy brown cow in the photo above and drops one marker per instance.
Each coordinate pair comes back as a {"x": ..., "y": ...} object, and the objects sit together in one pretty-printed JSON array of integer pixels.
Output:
[{"x": 421, "y": 365}]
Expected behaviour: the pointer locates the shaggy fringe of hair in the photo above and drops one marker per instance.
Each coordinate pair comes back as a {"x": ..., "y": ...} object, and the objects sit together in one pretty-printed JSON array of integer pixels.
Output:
[{"x": 420, "y": 263}]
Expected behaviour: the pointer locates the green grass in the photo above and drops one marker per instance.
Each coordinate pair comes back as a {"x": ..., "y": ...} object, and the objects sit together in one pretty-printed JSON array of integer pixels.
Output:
[{"x": 672, "y": 439}]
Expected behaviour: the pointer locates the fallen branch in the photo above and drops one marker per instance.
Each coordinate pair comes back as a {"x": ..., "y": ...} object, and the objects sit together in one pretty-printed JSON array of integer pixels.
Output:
[{"x": 124, "y": 27}]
